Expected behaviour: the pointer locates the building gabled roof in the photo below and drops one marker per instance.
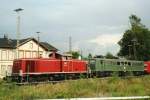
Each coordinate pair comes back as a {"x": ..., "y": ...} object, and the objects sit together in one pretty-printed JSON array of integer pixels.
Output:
[
  {"x": 7, "y": 43},
  {"x": 48, "y": 46},
  {"x": 12, "y": 43}
]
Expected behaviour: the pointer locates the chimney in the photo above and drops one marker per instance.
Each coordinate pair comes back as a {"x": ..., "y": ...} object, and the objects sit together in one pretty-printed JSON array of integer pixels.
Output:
[{"x": 5, "y": 36}]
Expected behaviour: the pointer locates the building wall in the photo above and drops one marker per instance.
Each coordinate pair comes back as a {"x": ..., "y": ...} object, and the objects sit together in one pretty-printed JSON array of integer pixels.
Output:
[
  {"x": 30, "y": 50},
  {"x": 6, "y": 60},
  {"x": 27, "y": 50}
]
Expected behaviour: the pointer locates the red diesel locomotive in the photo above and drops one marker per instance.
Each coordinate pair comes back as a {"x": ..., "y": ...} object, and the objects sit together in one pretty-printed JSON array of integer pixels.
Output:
[
  {"x": 39, "y": 69},
  {"x": 147, "y": 67}
]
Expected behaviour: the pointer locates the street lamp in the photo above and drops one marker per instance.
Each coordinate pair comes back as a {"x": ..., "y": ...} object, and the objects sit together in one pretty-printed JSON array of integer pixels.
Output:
[
  {"x": 18, "y": 30},
  {"x": 38, "y": 42}
]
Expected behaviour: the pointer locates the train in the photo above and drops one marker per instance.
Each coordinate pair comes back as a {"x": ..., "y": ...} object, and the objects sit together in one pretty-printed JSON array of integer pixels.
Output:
[
  {"x": 119, "y": 67},
  {"x": 147, "y": 67},
  {"x": 47, "y": 69},
  {"x": 54, "y": 69}
]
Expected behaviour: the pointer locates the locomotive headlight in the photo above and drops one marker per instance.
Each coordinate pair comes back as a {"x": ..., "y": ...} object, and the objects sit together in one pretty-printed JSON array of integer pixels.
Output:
[
  {"x": 145, "y": 65},
  {"x": 20, "y": 72}
]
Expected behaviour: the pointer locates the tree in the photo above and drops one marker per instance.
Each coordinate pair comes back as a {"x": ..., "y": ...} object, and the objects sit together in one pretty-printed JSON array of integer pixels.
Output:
[
  {"x": 75, "y": 54},
  {"x": 90, "y": 55},
  {"x": 135, "y": 43},
  {"x": 110, "y": 56}
]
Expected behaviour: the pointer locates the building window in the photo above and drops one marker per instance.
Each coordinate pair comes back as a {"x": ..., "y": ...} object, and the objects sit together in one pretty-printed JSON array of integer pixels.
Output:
[
  {"x": 21, "y": 54},
  {"x": 34, "y": 54},
  {"x": 9, "y": 70},
  {"x": 11, "y": 55},
  {"x": 3, "y": 70},
  {"x": 28, "y": 54},
  {"x": 4, "y": 55},
  {"x": 40, "y": 54}
]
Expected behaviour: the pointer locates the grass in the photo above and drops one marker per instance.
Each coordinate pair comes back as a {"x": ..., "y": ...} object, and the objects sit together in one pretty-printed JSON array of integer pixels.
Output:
[{"x": 78, "y": 88}]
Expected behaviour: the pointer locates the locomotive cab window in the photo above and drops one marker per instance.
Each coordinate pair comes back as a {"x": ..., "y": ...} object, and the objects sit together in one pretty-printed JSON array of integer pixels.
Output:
[
  {"x": 125, "y": 63},
  {"x": 122, "y": 63}
]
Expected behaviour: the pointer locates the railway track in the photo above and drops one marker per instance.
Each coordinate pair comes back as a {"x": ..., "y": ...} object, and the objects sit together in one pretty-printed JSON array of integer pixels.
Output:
[
  {"x": 36, "y": 83},
  {"x": 61, "y": 81}
]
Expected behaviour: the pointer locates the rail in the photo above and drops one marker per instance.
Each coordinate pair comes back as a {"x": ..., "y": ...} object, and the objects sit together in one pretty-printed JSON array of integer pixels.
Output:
[{"x": 105, "y": 98}]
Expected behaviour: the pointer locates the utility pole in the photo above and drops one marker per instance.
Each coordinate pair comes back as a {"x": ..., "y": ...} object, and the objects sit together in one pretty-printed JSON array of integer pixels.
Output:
[
  {"x": 70, "y": 44},
  {"x": 38, "y": 42},
  {"x": 129, "y": 51},
  {"x": 18, "y": 30},
  {"x": 134, "y": 47},
  {"x": 81, "y": 54}
]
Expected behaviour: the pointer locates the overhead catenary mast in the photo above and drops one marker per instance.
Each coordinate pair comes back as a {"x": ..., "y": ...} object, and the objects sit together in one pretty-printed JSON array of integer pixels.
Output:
[
  {"x": 70, "y": 44},
  {"x": 38, "y": 43}
]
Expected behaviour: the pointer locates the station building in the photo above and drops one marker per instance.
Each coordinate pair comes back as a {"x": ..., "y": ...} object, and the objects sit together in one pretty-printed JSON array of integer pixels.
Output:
[{"x": 28, "y": 48}]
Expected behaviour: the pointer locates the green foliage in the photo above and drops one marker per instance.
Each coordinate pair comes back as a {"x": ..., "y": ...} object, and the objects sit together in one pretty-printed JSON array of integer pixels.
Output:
[
  {"x": 75, "y": 54},
  {"x": 110, "y": 56},
  {"x": 114, "y": 86},
  {"x": 135, "y": 43},
  {"x": 90, "y": 55}
]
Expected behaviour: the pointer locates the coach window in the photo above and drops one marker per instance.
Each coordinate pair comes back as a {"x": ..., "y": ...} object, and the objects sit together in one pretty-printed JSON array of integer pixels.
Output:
[
  {"x": 122, "y": 63},
  {"x": 118, "y": 63},
  {"x": 129, "y": 63},
  {"x": 125, "y": 63}
]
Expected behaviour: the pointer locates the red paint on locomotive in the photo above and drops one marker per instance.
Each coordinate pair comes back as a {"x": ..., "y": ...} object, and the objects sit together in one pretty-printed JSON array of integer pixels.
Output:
[
  {"x": 76, "y": 66},
  {"x": 147, "y": 67},
  {"x": 49, "y": 66}
]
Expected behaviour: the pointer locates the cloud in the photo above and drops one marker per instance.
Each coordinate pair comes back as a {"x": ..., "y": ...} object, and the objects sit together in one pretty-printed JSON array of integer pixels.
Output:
[
  {"x": 101, "y": 44},
  {"x": 106, "y": 39},
  {"x": 85, "y": 20}
]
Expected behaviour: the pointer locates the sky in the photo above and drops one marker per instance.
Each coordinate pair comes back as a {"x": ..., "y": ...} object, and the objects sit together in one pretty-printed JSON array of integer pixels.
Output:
[{"x": 94, "y": 25}]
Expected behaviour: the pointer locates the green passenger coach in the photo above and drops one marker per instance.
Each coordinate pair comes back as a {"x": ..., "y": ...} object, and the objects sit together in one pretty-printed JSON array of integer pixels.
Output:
[{"x": 105, "y": 67}]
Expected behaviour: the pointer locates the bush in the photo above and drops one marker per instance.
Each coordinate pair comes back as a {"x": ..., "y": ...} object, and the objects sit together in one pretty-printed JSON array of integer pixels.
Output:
[{"x": 114, "y": 86}]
